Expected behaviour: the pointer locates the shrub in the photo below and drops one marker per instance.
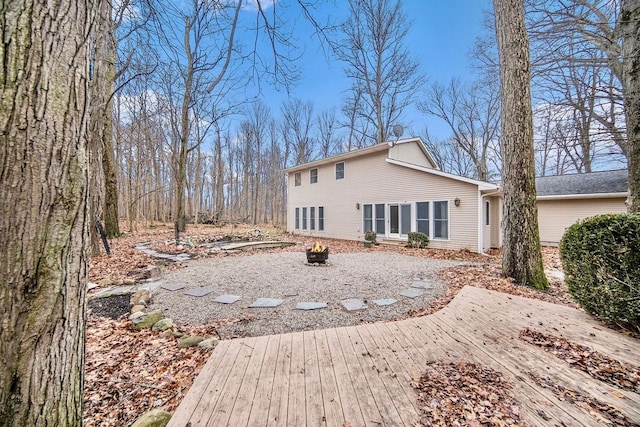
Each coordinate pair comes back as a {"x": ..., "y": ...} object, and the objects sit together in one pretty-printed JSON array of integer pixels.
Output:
[
  {"x": 601, "y": 260},
  {"x": 370, "y": 236},
  {"x": 418, "y": 240}
]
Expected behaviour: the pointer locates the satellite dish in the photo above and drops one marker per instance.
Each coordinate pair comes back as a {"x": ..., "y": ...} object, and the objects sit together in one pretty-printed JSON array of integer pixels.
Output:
[{"x": 398, "y": 130}]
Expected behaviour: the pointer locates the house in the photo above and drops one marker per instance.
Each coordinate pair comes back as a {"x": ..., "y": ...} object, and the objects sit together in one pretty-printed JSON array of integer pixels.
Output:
[
  {"x": 392, "y": 188},
  {"x": 566, "y": 199}
]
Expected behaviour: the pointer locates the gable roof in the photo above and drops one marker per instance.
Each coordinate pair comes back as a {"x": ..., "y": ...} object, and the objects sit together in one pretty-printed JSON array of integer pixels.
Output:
[
  {"x": 485, "y": 186},
  {"x": 605, "y": 182},
  {"x": 383, "y": 146}
]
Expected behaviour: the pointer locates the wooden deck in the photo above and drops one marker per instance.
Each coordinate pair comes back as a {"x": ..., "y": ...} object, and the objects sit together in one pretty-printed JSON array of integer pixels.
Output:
[{"x": 360, "y": 375}]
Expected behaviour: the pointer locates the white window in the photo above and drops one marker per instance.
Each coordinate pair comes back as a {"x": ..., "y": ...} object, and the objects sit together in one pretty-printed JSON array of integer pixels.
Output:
[
  {"x": 368, "y": 217},
  {"x": 298, "y": 179},
  {"x": 487, "y": 212},
  {"x": 320, "y": 218},
  {"x": 422, "y": 217},
  {"x": 304, "y": 218},
  {"x": 441, "y": 220},
  {"x": 373, "y": 217},
  {"x": 313, "y": 176},
  {"x": 312, "y": 218},
  {"x": 380, "y": 218},
  {"x": 297, "y": 225},
  {"x": 340, "y": 170}
]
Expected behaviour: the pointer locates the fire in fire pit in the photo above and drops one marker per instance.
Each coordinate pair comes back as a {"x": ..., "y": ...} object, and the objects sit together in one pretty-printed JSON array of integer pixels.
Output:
[{"x": 317, "y": 254}]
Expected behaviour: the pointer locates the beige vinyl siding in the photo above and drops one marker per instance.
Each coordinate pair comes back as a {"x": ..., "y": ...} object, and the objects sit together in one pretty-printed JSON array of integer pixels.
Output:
[
  {"x": 410, "y": 153},
  {"x": 370, "y": 179},
  {"x": 555, "y": 216},
  {"x": 496, "y": 222}
]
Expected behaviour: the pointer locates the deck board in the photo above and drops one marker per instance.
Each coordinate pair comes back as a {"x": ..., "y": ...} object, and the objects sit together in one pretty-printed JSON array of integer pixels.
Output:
[
  {"x": 313, "y": 388},
  {"x": 350, "y": 400},
  {"x": 297, "y": 410},
  {"x": 259, "y": 413},
  {"x": 279, "y": 399},
  {"x": 334, "y": 414},
  {"x": 361, "y": 375}
]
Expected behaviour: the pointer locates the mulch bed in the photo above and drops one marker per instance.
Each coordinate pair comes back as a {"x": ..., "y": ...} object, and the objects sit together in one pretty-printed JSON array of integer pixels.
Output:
[
  {"x": 113, "y": 307},
  {"x": 466, "y": 394}
]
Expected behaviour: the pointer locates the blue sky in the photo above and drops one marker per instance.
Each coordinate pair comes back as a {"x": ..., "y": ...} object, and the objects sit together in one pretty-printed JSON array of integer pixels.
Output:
[{"x": 441, "y": 37}]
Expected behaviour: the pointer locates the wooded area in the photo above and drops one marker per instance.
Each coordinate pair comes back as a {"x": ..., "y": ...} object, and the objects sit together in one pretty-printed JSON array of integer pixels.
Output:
[{"x": 181, "y": 122}]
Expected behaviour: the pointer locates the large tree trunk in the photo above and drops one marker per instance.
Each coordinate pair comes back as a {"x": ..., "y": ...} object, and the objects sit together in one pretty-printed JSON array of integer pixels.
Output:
[
  {"x": 100, "y": 113},
  {"x": 43, "y": 215},
  {"x": 630, "y": 26},
  {"x": 521, "y": 259},
  {"x": 181, "y": 167},
  {"x": 111, "y": 216},
  {"x": 219, "y": 177}
]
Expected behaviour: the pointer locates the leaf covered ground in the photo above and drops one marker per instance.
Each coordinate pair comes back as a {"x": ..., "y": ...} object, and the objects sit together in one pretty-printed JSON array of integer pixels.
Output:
[{"x": 465, "y": 394}]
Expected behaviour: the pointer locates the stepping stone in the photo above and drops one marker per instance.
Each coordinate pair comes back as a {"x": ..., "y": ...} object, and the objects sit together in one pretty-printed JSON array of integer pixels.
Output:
[
  {"x": 411, "y": 293},
  {"x": 385, "y": 301},
  {"x": 266, "y": 303},
  {"x": 227, "y": 299},
  {"x": 353, "y": 304},
  {"x": 122, "y": 290},
  {"x": 422, "y": 284},
  {"x": 91, "y": 285},
  {"x": 150, "y": 286},
  {"x": 102, "y": 292},
  {"x": 199, "y": 292},
  {"x": 310, "y": 305},
  {"x": 171, "y": 286}
]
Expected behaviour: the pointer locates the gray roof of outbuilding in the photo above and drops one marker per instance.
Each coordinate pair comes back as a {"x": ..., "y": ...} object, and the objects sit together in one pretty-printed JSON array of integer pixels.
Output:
[{"x": 615, "y": 181}]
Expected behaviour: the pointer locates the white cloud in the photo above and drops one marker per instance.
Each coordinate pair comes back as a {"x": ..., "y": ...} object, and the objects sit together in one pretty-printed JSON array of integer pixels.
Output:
[{"x": 252, "y": 5}]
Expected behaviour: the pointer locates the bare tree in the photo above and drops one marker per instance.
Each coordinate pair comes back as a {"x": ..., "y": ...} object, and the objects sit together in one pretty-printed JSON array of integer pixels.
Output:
[
  {"x": 473, "y": 117},
  {"x": 522, "y": 258},
  {"x": 202, "y": 69},
  {"x": 259, "y": 119},
  {"x": 384, "y": 76},
  {"x": 123, "y": 59},
  {"x": 326, "y": 126},
  {"x": 630, "y": 26},
  {"x": 449, "y": 156},
  {"x": 99, "y": 121},
  {"x": 44, "y": 115},
  {"x": 575, "y": 65},
  {"x": 297, "y": 123},
  {"x": 554, "y": 137},
  {"x": 359, "y": 133}
]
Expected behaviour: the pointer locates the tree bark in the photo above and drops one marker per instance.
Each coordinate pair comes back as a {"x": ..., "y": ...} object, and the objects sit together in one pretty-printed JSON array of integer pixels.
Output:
[
  {"x": 100, "y": 112},
  {"x": 630, "y": 27},
  {"x": 181, "y": 167},
  {"x": 522, "y": 258},
  {"x": 44, "y": 106},
  {"x": 219, "y": 173},
  {"x": 111, "y": 215}
]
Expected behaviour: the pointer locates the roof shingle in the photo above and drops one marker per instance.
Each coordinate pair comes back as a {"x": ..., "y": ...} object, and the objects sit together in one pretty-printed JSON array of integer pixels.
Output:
[{"x": 614, "y": 181}]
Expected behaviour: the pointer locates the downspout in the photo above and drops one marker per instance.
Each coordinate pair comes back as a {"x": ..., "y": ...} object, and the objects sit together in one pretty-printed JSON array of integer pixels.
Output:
[{"x": 480, "y": 222}]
